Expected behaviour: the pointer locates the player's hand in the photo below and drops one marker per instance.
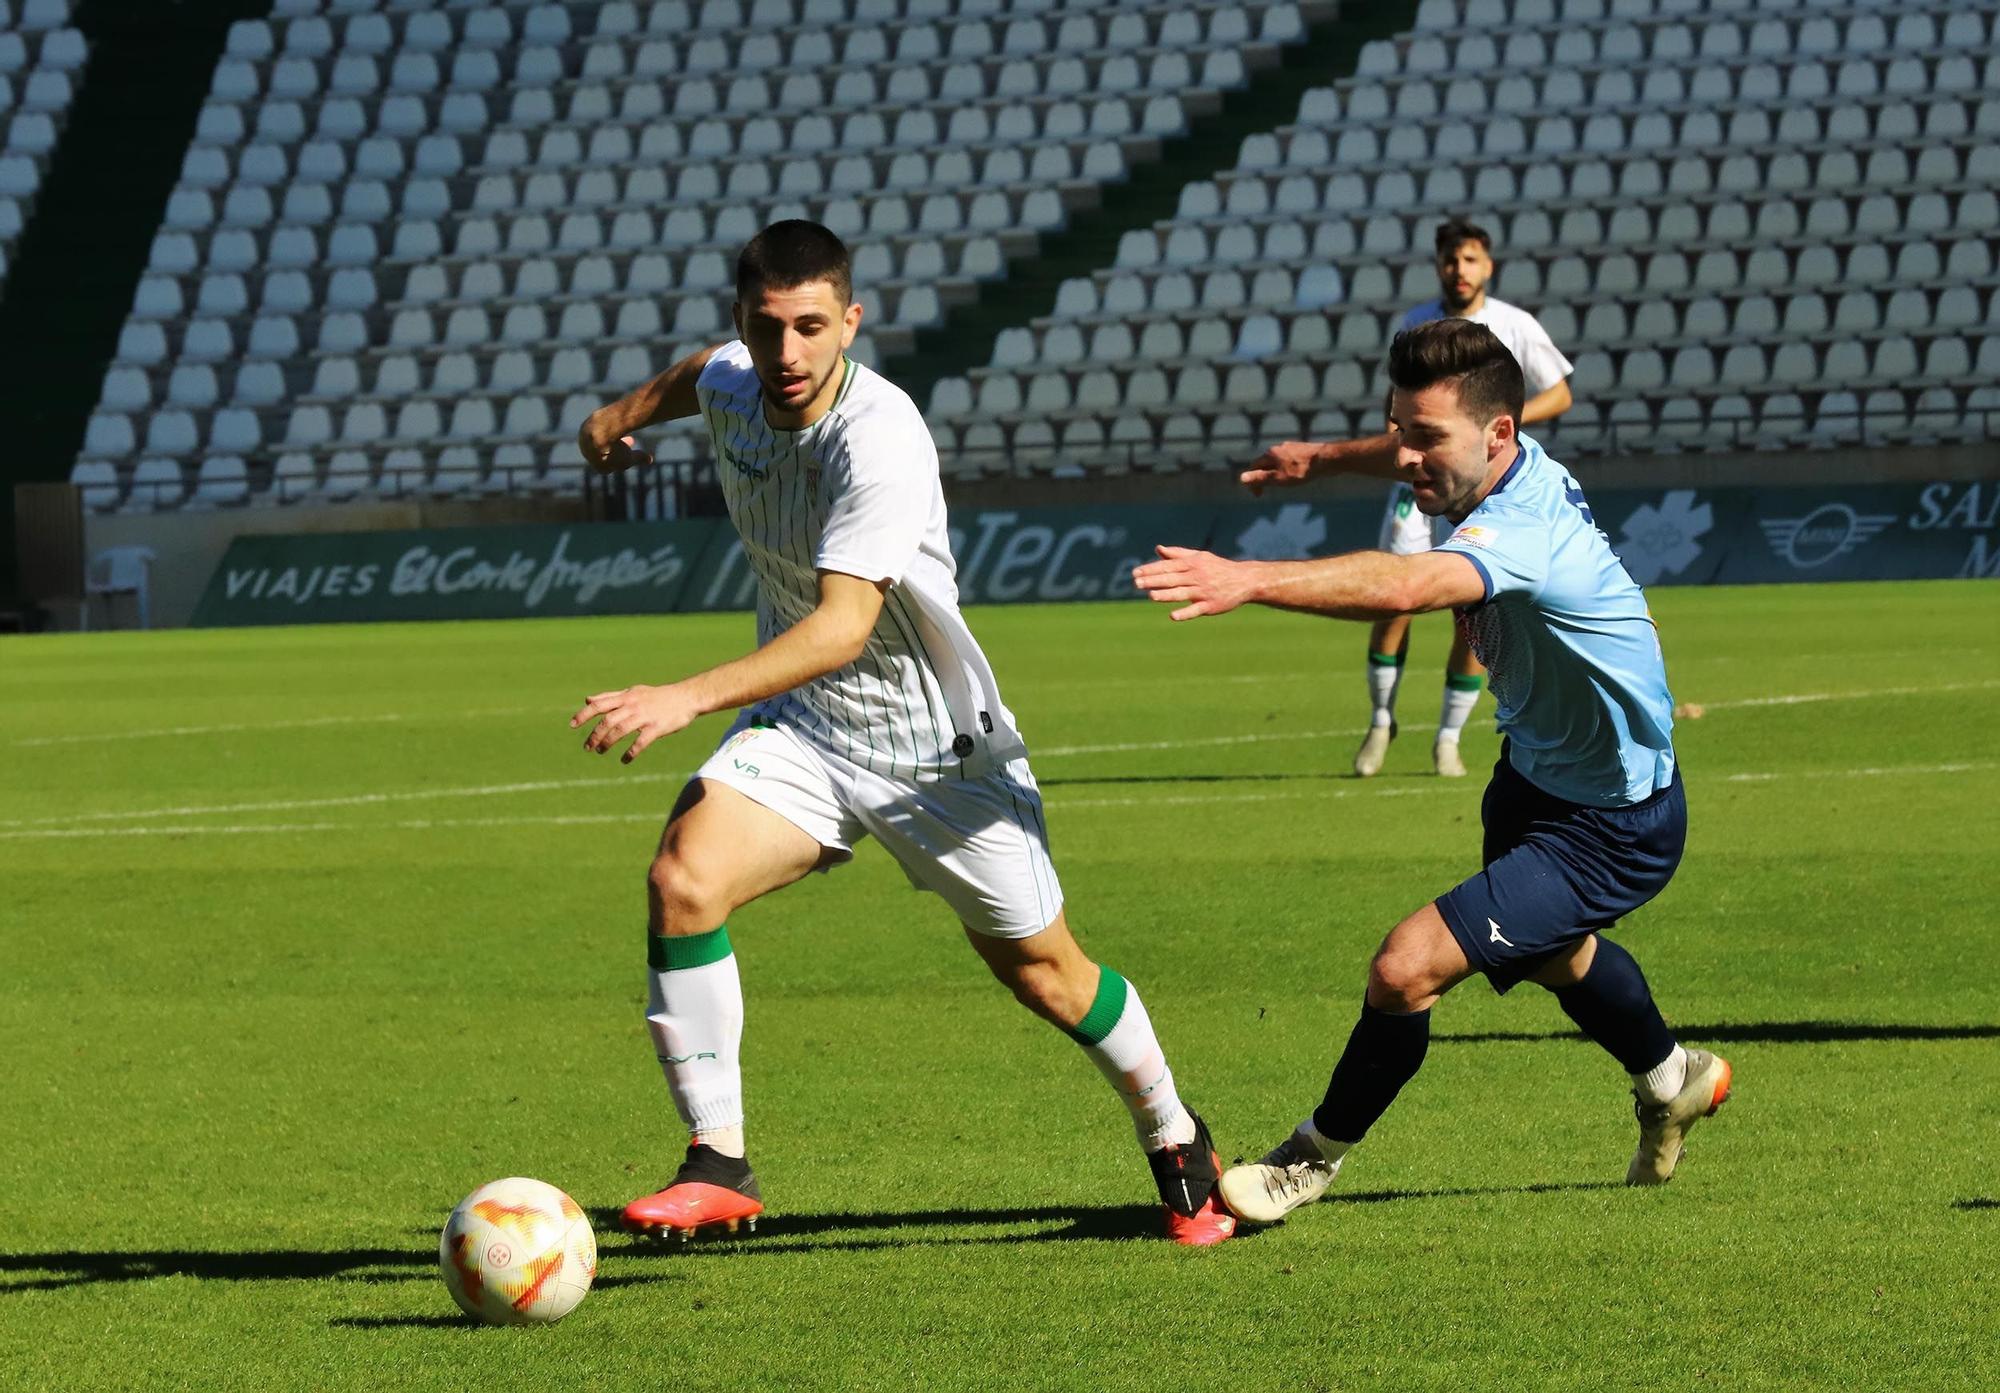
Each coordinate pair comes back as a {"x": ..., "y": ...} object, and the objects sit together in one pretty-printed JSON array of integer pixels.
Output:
[
  {"x": 1288, "y": 462},
  {"x": 651, "y": 712},
  {"x": 1200, "y": 582},
  {"x": 605, "y": 447}
]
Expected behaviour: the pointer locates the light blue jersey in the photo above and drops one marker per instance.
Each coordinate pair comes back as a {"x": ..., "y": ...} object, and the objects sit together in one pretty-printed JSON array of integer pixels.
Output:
[{"x": 1574, "y": 659}]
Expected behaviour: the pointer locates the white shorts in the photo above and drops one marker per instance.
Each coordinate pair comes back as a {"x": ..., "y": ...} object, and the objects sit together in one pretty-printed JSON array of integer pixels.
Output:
[
  {"x": 980, "y": 843},
  {"x": 1407, "y": 532}
]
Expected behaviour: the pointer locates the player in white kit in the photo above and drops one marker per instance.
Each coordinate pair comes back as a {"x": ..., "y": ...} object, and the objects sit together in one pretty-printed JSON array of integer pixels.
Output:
[
  {"x": 1464, "y": 266},
  {"x": 867, "y": 709}
]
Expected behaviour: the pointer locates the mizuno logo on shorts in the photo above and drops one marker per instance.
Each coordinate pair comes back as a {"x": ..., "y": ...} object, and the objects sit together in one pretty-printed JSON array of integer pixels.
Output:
[{"x": 1496, "y": 936}]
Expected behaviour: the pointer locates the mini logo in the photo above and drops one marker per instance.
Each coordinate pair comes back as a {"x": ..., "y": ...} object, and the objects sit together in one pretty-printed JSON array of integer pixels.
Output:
[
  {"x": 1296, "y": 531},
  {"x": 961, "y": 745},
  {"x": 1828, "y": 531},
  {"x": 1474, "y": 535},
  {"x": 1664, "y": 539},
  {"x": 1495, "y": 935},
  {"x": 499, "y": 1255}
]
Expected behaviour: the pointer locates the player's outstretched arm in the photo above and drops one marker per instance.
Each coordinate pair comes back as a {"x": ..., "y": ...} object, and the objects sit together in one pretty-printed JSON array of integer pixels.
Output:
[
  {"x": 1360, "y": 585},
  {"x": 1546, "y": 406},
  {"x": 831, "y": 637},
  {"x": 606, "y": 437},
  {"x": 1295, "y": 461}
]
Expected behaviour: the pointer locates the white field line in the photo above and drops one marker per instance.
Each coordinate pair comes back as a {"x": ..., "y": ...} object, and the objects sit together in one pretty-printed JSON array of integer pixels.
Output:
[
  {"x": 1057, "y": 751},
  {"x": 358, "y": 800},
  {"x": 354, "y": 800},
  {"x": 1802, "y": 698},
  {"x": 301, "y": 723},
  {"x": 1060, "y": 805},
  {"x": 395, "y": 717},
  {"x": 1971, "y": 767},
  {"x": 1050, "y": 752}
]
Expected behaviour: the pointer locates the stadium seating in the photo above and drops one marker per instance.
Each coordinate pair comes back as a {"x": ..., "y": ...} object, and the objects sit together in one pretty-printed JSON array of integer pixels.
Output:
[
  {"x": 1766, "y": 224},
  {"x": 403, "y": 229},
  {"x": 40, "y": 56}
]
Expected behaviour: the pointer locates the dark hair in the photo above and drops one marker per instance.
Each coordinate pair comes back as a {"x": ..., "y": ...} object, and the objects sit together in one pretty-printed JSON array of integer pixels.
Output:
[
  {"x": 792, "y": 253},
  {"x": 1457, "y": 232},
  {"x": 1464, "y": 352}
]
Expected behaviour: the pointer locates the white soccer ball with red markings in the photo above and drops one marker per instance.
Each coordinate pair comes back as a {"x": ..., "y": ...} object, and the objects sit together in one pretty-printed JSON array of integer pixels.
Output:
[{"x": 518, "y": 1252}]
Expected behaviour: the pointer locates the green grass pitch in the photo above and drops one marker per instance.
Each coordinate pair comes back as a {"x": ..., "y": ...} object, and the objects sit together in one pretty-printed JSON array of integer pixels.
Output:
[{"x": 309, "y": 932}]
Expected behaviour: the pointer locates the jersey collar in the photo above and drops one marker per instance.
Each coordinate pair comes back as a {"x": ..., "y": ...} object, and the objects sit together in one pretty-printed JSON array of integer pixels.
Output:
[{"x": 1520, "y": 458}]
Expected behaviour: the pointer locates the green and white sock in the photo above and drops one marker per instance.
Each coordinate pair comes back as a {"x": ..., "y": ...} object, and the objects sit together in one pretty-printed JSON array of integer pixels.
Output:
[
  {"x": 1461, "y": 694},
  {"x": 694, "y": 1012},
  {"x": 1118, "y": 1036},
  {"x": 1385, "y": 675}
]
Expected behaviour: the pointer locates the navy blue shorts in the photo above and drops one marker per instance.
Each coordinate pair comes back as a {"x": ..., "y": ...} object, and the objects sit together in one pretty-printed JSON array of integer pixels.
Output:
[{"x": 1557, "y": 872}]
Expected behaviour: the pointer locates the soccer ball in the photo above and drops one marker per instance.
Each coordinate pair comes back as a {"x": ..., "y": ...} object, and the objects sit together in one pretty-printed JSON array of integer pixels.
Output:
[{"x": 517, "y": 1252}]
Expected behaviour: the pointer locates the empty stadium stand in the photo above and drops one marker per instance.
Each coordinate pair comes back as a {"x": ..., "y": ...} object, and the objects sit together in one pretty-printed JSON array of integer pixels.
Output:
[
  {"x": 1768, "y": 225},
  {"x": 39, "y": 56},
  {"x": 412, "y": 245}
]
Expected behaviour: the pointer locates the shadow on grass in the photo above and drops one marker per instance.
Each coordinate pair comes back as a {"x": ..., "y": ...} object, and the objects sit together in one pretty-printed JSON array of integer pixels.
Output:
[
  {"x": 1977, "y": 1202},
  {"x": 1545, "y": 1187},
  {"x": 783, "y": 1233},
  {"x": 1753, "y": 1032},
  {"x": 457, "y": 1320},
  {"x": 453, "y": 1322},
  {"x": 68, "y": 1269},
  {"x": 54, "y": 1271},
  {"x": 845, "y": 1231}
]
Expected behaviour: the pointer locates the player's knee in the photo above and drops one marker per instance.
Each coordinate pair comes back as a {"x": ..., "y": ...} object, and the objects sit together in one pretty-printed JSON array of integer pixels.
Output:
[
  {"x": 1045, "y": 989},
  {"x": 1400, "y": 982},
  {"x": 683, "y": 902}
]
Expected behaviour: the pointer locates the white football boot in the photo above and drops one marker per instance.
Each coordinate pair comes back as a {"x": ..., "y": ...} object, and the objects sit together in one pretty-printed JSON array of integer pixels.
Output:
[
  {"x": 1663, "y": 1127},
  {"x": 1445, "y": 759},
  {"x": 1374, "y": 750},
  {"x": 1292, "y": 1173}
]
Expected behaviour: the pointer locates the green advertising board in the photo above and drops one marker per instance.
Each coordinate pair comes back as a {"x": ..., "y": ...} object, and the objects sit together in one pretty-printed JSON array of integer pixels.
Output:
[
  {"x": 457, "y": 573},
  {"x": 1005, "y": 555},
  {"x": 1048, "y": 555}
]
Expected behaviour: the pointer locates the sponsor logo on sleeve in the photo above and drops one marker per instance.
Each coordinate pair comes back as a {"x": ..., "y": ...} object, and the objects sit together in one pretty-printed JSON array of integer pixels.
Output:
[{"x": 1475, "y": 535}]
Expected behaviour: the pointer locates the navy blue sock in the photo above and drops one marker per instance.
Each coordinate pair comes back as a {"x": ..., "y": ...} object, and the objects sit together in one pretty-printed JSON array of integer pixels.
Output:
[
  {"x": 1384, "y": 1053},
  {"x": 1614, "y": 1006}
]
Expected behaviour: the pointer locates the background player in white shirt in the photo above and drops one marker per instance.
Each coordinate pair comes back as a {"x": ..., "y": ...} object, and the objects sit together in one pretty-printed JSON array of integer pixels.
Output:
[
  {"x": 1464, "y": 268},
  {"x": 867, "y": 709}
]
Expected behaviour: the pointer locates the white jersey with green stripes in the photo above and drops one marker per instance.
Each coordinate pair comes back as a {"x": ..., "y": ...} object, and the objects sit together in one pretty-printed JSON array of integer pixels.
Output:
[{"x": 857, "y": 492}]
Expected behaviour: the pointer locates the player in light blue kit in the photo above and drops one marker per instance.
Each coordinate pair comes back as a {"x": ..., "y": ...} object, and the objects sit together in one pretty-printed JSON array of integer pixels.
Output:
[{"x": 1585, "y": 818}]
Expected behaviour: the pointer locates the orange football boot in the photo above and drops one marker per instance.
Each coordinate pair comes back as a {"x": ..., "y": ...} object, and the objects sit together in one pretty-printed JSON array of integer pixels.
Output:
[
  {"x": 711, "y": 1194},
  {"x": 1186, "y": 1177}
]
